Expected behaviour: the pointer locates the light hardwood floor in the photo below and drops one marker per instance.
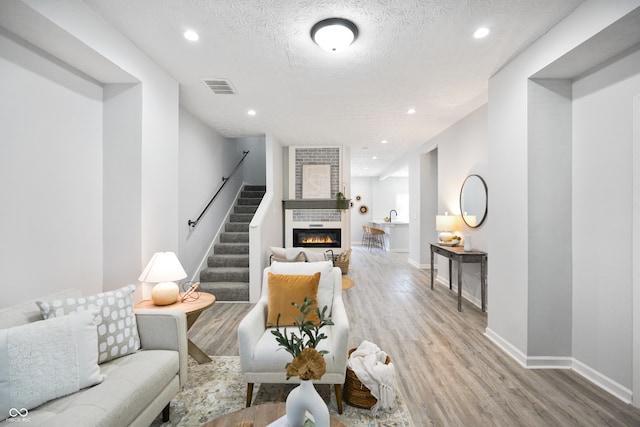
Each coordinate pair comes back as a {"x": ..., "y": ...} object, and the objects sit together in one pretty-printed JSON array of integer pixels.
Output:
[{"x": 448, "y": 371}]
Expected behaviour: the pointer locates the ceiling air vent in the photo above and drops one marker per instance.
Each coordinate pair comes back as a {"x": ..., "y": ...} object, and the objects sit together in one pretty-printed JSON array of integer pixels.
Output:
[{"x": 220, "y": 86}]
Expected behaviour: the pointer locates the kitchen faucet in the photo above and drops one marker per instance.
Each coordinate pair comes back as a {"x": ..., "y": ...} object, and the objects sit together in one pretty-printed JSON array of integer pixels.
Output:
[{"x": 392, "y": 210}]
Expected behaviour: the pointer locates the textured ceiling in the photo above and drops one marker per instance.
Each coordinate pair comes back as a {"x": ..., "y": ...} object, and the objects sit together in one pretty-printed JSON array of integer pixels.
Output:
[{"x": 409, "y": 53}]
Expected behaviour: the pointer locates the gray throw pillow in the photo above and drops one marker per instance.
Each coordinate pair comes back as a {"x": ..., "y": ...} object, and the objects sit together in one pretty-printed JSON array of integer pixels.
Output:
[{"x": 116, "y": 322}]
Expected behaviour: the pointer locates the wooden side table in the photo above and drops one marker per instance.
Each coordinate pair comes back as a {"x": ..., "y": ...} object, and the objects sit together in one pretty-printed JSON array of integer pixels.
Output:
[
  {"x": 260, "y": 415},
  {"x": 458, "y": 254},
  {"x": 193, "y": 309}
]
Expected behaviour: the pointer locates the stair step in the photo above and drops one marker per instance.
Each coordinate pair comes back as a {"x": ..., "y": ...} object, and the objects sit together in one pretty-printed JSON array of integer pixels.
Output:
[
  {"x": 230, "y": 237},
  {"x": 255, "y": 201},
  {"x": 251, "y": 194},
  {"x": 236, "y": 227},
  {"x": 227, "y": 291},
  {"x": 231, "y": 248},
  {"x": 225, "y": 274},
  {"x": 228, "y": 261},
  {"x": 246, "y": 209},
  {"x": 236, "y": 217}
]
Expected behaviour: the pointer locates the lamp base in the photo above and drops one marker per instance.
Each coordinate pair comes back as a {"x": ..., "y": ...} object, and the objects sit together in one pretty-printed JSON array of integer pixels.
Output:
[
  {"x": 165, "y": 293},
  {"x": 445, "y": 236}
]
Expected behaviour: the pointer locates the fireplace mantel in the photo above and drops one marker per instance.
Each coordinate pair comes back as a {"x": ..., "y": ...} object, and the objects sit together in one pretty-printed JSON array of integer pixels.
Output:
[{"x": 314, "y": 204}]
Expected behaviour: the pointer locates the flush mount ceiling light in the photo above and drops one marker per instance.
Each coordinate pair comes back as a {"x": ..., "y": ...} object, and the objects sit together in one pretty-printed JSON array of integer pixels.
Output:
[
  {"x": 191, "y": 35},
  {"x": 481, "y": 32},
  {"x": 334, "y": 34}
]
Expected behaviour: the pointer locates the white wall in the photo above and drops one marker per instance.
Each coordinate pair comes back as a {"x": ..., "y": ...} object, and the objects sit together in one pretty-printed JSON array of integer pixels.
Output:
[
  {"x": 266, "y": 226},
  {"x": 549, "y": 200},
  {"x": 602, "y": 209},
  {"x": 159, "y": 121},
  {"x": 363, "y": 187},
  {"x": 122, "y": 106},
  {"x": 50, "y": 176},
  {"x": 601, "y": 125},
  {"x": 462, "y": 151},
  {"x": 423, "y": 195},
  {"x": 254, "y": 166},
  {"x": 379, "y": 197},
  {"x": 391, "y": 193},
  {"x": 508, "y": 294},
  {"x": 205, "y": 157}
]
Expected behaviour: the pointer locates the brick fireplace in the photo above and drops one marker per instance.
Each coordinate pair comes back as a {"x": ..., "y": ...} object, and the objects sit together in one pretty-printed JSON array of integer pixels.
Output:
[{"x": 316, "y": 220}]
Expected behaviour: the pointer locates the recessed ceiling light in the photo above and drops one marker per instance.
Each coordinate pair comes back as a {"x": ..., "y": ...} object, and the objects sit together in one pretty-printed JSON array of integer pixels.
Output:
[
  {"x": 191, "y": 35},
  {"x": 411, "y": 111},
  {"x": 384, "y": 141},
  {"x": 374, "y": 158},
  {"x": 481, "y": 32},
  {"x": 334, "y": 34},
  {"x": 251, "y": 112}
]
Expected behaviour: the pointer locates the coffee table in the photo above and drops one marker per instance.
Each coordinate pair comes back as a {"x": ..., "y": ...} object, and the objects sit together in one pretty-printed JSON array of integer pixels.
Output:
[
  {"x": 260, "y": 415},
  {"x": 193, "y": 309}
]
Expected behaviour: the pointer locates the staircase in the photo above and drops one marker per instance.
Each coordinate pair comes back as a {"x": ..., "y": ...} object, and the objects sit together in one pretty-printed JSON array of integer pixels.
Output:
[{"x": 227, "y": 272}]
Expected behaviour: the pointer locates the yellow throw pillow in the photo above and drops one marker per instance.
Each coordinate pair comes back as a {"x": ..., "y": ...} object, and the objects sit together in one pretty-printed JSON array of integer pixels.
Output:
[{"x": 287, "y": 288}]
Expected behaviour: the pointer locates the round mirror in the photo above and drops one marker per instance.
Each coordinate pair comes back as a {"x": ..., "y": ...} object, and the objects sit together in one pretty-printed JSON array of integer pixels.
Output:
[{"x": 473, "y": 201}]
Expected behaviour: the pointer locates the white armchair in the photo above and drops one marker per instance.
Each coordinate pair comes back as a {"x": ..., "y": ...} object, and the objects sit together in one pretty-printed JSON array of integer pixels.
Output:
[{"x": 261, "y": 359}]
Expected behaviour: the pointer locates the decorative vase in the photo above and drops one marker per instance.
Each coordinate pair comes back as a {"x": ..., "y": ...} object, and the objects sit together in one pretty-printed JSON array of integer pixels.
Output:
[
  {"x": 305, "y": 398},
  {"x": 467, "y": 243}
]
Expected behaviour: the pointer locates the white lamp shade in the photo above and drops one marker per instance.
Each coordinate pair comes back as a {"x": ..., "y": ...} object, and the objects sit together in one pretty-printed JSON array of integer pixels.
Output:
[
  {"x": 163, "y": 267},
  {"x": 445, "y": 222}
]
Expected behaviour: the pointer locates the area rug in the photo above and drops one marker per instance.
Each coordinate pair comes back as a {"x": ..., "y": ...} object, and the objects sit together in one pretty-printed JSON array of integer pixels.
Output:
[
  {"x": 347, "y": 283},
  {"x": 216, "y": 388}
]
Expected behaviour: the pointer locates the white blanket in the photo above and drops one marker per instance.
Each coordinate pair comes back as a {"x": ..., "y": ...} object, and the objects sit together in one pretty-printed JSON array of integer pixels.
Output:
[{"x": 368, "y": 363}]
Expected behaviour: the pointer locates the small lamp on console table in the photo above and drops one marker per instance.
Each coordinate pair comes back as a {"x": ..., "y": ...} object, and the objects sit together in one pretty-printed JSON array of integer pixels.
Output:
[
  {"x": 163, "y": 269},
  {"x": 446, "y": 224}
]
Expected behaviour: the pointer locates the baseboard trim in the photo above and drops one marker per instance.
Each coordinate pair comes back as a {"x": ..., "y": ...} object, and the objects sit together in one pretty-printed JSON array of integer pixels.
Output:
[
  {"x": 553, "y": 362},
  {"x": 602, "y": 381},
  {"x": 549, "y": 362},
  {"x": 507, "y": 347},
  {"x": 418, "y": 265}
]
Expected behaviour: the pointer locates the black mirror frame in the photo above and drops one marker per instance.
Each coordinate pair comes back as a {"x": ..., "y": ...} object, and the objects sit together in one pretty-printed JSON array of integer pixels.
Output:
[{"x": 486, "y": 206}]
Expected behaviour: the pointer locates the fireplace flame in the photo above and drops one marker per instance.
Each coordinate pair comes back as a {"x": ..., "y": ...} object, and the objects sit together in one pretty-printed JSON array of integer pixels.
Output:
[{"x": 317, "y": 240}]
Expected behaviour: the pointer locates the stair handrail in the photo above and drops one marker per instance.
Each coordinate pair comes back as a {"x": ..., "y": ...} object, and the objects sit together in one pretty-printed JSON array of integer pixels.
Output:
[{"x": 192, "y": 224}]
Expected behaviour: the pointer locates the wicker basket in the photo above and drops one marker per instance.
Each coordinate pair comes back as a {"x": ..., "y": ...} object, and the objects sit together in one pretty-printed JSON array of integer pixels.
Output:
[
  {"x": 342, "y": 261},
  {"x": 355, "y": 393}
]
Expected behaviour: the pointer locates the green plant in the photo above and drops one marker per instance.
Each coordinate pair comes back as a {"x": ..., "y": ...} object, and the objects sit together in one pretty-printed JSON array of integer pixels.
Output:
[
  {"x": 309, "y": 332},
  {"x": 340, "y": 201}
]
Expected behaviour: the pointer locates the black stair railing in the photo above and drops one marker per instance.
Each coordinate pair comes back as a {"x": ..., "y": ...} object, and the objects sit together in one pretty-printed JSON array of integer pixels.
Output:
[{"x": 192, "y": 223}]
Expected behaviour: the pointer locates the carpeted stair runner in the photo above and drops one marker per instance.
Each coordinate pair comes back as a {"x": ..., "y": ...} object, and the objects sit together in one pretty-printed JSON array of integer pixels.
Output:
[{"x": 227, "y": 272}]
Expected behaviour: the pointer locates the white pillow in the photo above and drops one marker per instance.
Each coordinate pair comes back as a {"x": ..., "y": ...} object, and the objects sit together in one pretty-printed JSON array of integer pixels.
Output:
[
  {"x": 117, "y": 328},
  {"x": 44, "y": 360},
  {"x": 325, "y": 288}
]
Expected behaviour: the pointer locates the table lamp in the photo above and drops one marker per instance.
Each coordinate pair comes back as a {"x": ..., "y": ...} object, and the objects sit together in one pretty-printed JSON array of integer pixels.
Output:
[
  {"x": 446, "y": 224},
  {"x": 163, "y": 269}
]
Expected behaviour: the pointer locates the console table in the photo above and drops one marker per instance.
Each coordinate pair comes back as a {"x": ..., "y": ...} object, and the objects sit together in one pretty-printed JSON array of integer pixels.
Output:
[{"x": 458, "y": 254}]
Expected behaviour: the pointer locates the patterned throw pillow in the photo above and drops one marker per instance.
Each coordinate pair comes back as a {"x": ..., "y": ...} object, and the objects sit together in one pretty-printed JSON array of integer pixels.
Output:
[{"x": 117, "y": 328}]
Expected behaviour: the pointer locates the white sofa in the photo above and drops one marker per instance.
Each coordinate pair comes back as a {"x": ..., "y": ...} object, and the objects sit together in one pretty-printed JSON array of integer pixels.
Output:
[
  {"x": 261, "y": 358},
  {"x": 137, "y": 387}
]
